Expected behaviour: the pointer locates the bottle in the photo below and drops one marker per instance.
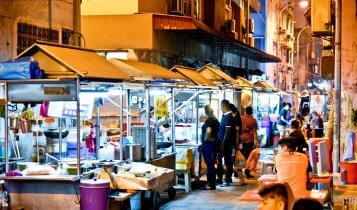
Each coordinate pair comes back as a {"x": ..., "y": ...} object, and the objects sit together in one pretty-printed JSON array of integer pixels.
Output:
[{"x": 346, "y": 203}]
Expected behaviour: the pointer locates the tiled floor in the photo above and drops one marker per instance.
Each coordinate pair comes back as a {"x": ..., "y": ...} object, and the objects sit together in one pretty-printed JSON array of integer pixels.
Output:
[{"x": 223, "y": 198}]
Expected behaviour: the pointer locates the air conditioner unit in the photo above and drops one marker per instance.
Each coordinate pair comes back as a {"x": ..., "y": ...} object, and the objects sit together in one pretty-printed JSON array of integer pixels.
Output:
[
  {"x": 176, "y": 7},
  {"x": 251, "y": 25},
  {"x": 230, "y": 25}
]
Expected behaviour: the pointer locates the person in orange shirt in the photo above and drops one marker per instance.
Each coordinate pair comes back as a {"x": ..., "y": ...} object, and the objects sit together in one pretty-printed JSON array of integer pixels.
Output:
[{"x": 291, "y": 167}]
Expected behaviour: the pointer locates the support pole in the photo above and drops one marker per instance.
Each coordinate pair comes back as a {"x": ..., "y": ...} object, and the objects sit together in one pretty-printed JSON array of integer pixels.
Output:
[
  {"x": 337, "y": 113},
  {"x": 173, "y": 120},
  {"x": 121, "y": 123},
  {"x": 148, "y": 140},
  {"x": 128, "y": 114},
  {"x": 97, "y": 128},
  {"x": 197, "y": 116},
  {"x": 6, "y": 139},
  {"x": 78, "y": 130}
]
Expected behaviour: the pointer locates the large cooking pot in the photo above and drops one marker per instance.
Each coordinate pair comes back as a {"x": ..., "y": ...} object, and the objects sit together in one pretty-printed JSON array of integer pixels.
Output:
[
  {"x": 54, "y": 133},
  {"x": 134, "y": 152},
  {"x": 350, "y": 169}
]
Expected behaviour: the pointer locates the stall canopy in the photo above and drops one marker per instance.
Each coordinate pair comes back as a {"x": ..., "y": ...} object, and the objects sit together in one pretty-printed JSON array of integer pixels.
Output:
[
  {"x": 63, "y": 61},
  {"x": 266, "y": 87},
  {"x": 195, "y": 77},
  {"x": 243, "y": 82},
  {"x": 215, "y": 74},
  {"x": 147, "y": 71}
]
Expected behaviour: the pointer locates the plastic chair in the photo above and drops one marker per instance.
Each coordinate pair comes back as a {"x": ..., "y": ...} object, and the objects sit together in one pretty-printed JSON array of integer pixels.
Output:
[{"x": 184, "y": 166}]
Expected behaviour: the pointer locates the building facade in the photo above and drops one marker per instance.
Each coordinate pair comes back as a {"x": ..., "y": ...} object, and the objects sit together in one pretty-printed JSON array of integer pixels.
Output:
[
  {"x": 200, "y": 32},
  {"x": 25, "y": 21}
]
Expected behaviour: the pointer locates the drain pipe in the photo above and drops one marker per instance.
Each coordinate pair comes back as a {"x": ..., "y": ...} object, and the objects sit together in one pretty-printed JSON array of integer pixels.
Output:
[{"x": 337, "y": 113}]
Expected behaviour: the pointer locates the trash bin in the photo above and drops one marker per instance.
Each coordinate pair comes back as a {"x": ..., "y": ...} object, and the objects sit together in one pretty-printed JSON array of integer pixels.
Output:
[{"x": 94, "y": 194}]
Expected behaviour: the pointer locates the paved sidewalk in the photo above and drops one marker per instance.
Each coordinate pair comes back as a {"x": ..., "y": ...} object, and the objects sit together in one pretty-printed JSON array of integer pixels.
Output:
[{"x": 223, "y": 198}]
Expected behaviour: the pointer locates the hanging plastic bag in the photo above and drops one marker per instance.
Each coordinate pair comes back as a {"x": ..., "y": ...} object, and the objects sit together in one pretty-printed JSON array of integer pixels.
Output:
[{"x": 240, "y": 161}]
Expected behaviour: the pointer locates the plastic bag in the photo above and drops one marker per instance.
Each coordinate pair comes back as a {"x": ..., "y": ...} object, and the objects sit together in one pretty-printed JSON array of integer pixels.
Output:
[
  {"x": 253, "y": 159},
  {"x": 239, "y": 161}
]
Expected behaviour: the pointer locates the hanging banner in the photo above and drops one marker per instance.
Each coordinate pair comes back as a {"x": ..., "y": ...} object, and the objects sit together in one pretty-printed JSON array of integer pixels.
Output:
[{"x": 161, "y": 108}]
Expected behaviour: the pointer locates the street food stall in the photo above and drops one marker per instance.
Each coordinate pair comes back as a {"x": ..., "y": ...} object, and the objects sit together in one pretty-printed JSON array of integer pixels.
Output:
[{"x": 72, "y": 76}]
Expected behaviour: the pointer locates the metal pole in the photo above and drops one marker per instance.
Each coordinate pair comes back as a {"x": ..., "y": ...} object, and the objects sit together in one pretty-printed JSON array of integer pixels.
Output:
[
  {"x": 59, "y": 138},
  {"x": 128, "y": 114},
  {"x": 121, "y": 123},
  {"x": 6, "y": 139},
  {"x": 147, "y": 147},
  {"x": 337, "y": 113},
  {"x": 173, "y": 121},
  {"x": 78, "y": 130},
  {"x": 298, "y": 54},
  {"x": 197, "y": 116},
  {"x": 97, "y": 128}
]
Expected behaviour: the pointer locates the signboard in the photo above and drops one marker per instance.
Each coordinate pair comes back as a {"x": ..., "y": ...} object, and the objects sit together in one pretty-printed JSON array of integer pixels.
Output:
[
  {"x": 161, "y": 108},
  {"x": 69, "y": 109},
  {"x": 39, "y": 91},
  {"x": 320, "y": 16}
]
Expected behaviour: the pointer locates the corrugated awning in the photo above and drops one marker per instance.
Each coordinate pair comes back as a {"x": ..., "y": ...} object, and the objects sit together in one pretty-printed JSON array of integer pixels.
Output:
[
  {"x": 243, "y": 82},
  {"x": 215, "y": 74},
  {"x": 147, "y": 70},
  {"x": 62, "y": 61},
  {"x": 193, "y": 76},
  {"x": 195, "y": 29},
  {"x": 264, "y": 86}
]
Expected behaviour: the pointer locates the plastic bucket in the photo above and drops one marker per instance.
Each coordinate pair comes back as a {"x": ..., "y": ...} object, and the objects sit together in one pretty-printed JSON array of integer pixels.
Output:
[
  {"x": 94, "y": 194},
  {"x": 350, "y": 170}
]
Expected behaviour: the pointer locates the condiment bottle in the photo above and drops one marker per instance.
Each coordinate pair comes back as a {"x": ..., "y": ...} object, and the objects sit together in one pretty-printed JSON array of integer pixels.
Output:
[{"x": 346, "y": 203}]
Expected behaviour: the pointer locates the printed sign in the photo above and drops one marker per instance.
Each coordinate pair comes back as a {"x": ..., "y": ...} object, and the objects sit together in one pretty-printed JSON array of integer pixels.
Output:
[{"x": 161, "y": 107}]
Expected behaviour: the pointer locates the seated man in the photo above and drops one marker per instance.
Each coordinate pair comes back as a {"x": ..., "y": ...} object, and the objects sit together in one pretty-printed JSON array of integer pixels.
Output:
[
  {"x": 300, "y": 142},
  {"x": 275, "y": 196},
  {"x": 291, "y": 167}
]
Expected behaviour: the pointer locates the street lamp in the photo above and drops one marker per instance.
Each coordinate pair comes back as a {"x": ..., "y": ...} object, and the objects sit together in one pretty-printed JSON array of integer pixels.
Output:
[
  {"x": 298, "y": 53},
  {"x": 301, "y": 4}
]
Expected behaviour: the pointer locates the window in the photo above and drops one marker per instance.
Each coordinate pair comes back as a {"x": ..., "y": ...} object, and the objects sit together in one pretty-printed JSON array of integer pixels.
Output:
[
  {"x": 27, "y": 35},
  {"x": 67, "y": 36}
]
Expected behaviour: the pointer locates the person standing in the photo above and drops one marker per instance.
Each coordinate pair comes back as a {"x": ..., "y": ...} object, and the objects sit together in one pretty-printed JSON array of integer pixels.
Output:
[
  {"x": 317, "y": 125},
  {"x": 238, "y": 131},
  {"x": 226, "y": 136},
  {"x": 283, "y": 122},
  {"x": 249, "y": 135},
  {"x": 210, "y": 146},
  {"x": 300, "y": 142}
]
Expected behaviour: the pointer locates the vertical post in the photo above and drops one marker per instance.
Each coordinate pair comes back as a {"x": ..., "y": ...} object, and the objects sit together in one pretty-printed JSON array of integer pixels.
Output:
[
  {"x": 60, "y": 138},
  {"x": 197, "y": 116},
  {"x": 78, "y": 130},
  {"x": 148, "y": 140},
  {"x": 6, "y": 131},
  {"x": 76, "y": 22},
  {"x": 128, "y": 116},
  {"x": 121, "y": 122},
  {"x": 97, "y": 128},
  {"x": 173, "y": 120},
  {"x": 337, "y": 113}
]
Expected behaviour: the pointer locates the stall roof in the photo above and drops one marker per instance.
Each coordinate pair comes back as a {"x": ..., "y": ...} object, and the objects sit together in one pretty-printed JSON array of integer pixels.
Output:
[
  {"x": 193, "y": 76},
  {"x": 243, "y": 82},
  {"x": 215, "y": 74},
  {"x": 62, "y": 61},
  {"x": 266, "y": 87},
  {"x": 148, "y": 70}
]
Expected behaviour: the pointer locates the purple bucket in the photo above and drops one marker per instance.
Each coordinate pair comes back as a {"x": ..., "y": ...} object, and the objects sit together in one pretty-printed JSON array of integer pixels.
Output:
[{"x": 94, "y": 194}]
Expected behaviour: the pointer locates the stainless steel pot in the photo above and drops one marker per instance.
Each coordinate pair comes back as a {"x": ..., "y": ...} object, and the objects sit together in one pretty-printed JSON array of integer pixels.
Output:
[{"x": 134, "y": 152}]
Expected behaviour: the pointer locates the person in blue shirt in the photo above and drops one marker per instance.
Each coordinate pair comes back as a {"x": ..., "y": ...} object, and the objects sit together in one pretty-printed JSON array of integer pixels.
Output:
[
  {"x": 226, "y": 137},
  {"x": 283, "y": 122}
]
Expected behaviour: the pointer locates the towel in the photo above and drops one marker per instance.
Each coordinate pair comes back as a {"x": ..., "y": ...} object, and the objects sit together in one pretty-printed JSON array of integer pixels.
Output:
[{"x": 349, "y": 149}]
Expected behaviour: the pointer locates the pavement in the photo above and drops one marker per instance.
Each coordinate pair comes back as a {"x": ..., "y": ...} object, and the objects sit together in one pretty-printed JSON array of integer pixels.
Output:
[{"x": 222, "y": 198}]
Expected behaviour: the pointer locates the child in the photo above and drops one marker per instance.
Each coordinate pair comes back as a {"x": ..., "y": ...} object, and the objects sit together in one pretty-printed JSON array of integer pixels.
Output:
[{"x": 275, "y": 196}]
